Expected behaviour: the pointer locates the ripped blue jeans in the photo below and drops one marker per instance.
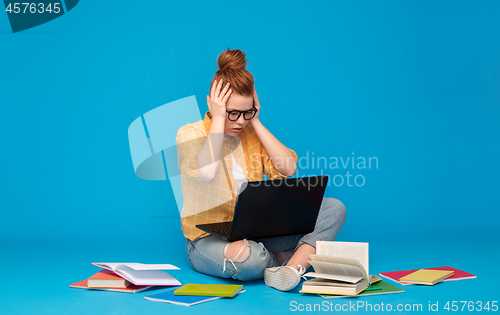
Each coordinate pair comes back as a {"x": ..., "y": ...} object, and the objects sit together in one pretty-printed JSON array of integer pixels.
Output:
[{"x": 208, "y": 254}]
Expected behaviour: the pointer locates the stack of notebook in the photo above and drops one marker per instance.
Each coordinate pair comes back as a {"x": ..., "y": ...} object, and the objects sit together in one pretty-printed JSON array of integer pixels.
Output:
[
  {"x": 191, "y": 294},
  {"x": 340, "y": 268},
  {"x": 128, "y": 277}
]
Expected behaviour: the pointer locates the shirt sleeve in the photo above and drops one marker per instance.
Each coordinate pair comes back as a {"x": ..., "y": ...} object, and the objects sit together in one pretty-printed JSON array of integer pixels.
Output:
[
  {"x": 269, "y": 169},
  {"x": 189, "y": 141}
]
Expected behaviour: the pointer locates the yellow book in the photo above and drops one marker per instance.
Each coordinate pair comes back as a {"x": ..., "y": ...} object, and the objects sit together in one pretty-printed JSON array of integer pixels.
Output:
[
  {"x": 426, "y": 276},
  {"x": 226, "y": 290}
]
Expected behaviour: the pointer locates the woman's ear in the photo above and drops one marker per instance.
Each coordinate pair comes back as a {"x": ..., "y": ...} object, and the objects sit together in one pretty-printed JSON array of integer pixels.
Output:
[{"x": 208, "y": 101}]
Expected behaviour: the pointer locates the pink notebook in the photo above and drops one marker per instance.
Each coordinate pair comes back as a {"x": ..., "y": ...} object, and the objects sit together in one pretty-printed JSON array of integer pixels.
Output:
[{"x": 396, "y": 275}]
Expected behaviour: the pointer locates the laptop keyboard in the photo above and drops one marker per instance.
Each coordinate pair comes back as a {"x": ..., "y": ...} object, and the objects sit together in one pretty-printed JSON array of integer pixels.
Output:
[{"x": 223, "y": 231}]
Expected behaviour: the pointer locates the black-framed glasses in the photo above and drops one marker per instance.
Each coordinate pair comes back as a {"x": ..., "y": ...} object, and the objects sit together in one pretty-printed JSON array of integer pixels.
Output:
[{"x": 234, "y": 115}]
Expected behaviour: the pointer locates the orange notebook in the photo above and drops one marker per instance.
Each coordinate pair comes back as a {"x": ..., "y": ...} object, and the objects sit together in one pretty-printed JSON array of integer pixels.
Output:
[{"x": 107, "y": 279}]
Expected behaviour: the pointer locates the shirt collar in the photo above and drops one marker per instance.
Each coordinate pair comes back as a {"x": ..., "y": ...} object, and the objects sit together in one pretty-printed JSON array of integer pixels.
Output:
[{"x": 207, "y": 121}]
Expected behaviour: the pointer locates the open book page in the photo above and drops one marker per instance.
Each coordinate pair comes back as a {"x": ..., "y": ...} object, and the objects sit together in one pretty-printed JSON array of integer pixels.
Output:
[
  {"x": 146, "y": 277},
  {"x": 137, "y": 266},
  {"x": 109, "y": 266},
  {"x": 339, "y": 260},
  {"x": 335, "y": 271},
  {"x": 353, "y": 250}
]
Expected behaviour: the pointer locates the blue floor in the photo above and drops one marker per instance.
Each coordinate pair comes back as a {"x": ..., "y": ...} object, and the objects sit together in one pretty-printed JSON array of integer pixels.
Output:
[{"x": 36, "y": 277}]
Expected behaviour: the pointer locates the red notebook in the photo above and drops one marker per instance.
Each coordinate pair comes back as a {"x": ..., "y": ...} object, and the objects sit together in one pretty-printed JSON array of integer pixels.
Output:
[
  {"x": 132, "y": 289},
  {"x": 458, "y": 274}
]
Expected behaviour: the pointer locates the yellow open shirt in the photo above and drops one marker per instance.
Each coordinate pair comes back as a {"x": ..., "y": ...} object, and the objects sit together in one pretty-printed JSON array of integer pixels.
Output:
[{"x": 210, "y": 202}]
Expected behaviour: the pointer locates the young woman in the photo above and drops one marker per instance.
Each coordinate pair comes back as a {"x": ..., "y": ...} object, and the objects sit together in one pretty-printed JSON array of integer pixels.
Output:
[{"x": 216, "y": 155}]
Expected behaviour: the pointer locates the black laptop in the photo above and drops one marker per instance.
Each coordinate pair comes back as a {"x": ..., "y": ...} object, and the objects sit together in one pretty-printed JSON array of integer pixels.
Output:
[{"x": 273, "y": 208}]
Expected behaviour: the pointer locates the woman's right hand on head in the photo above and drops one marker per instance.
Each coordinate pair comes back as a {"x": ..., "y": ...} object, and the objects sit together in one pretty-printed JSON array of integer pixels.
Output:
[{"x": 218, "y": 100}]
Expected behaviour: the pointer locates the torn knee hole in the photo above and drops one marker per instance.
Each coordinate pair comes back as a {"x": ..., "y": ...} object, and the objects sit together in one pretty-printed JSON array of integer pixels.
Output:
[{"x": 237, "y": 251}]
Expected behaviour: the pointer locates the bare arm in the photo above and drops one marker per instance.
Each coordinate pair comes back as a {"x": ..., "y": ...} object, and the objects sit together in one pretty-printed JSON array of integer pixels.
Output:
[
  {"x": 209, "y": 157},
  {"x": 282, "y": 158}
]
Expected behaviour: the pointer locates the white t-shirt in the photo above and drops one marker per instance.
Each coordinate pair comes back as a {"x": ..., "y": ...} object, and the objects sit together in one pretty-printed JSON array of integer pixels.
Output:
[{"x": 238, "y": 173}]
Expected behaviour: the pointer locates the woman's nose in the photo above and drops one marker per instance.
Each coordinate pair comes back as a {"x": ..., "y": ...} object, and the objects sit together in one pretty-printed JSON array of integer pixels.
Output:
[{"x": 241, "y": 120}]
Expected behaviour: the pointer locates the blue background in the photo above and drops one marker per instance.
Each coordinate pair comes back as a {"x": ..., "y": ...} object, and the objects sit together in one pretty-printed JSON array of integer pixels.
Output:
[{"x": 413, "y": 83}]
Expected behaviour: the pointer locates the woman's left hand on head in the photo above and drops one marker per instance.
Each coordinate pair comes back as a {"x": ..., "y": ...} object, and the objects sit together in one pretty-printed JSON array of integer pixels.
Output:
[{"x": 256, "y": 104}]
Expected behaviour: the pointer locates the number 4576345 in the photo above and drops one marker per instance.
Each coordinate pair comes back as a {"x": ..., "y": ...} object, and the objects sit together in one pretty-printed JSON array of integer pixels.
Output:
[
  {"x": 25, "y": 7},
  {"x": 471, "y": 306}
]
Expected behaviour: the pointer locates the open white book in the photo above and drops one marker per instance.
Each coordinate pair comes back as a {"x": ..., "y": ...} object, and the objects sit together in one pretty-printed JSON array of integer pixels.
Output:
[
  {"x": 142, "y": 274},
  {"x": 338, "y": 269}
]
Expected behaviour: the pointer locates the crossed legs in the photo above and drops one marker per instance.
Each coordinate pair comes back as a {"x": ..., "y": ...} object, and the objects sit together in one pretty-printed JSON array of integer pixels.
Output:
[{"x": 246, "y": 259}]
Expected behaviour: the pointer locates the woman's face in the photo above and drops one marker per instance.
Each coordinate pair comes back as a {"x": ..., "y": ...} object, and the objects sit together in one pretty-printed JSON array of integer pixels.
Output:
[{"x": 240, "y": 103}]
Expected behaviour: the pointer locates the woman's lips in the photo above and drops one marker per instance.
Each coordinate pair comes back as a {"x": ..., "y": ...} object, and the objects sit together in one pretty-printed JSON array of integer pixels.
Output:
[{"x": 237, "y": 129}]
